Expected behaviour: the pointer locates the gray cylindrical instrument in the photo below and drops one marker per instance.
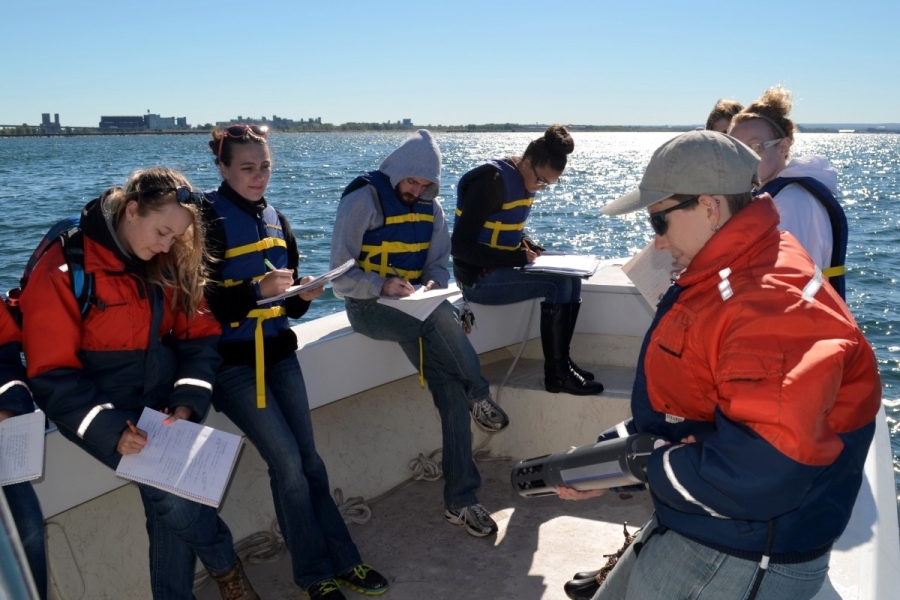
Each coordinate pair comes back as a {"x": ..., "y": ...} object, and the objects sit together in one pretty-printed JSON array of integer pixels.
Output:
[{"x": 613, "y": 463}]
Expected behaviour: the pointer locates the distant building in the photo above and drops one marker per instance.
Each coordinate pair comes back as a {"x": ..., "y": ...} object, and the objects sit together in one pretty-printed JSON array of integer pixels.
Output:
[
  {"x": 130, "y": 123},
  {"x": 138, "y": 123},
  {"x": 407, "y": 122},
  {"x": 50, "y": 126},
  {"x": 275, "y": 123}
]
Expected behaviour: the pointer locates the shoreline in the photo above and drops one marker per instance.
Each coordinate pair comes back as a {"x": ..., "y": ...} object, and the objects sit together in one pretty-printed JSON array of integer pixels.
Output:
[{"x": 438, "y": 129}]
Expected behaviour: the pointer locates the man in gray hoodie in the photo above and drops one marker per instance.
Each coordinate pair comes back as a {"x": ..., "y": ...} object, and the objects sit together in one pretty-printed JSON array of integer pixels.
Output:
[{"x": 390, "y": 222}]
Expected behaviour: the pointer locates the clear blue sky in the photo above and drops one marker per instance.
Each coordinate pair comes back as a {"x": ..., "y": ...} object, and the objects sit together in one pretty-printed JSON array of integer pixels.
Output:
[{"x": 446, "y": 62}]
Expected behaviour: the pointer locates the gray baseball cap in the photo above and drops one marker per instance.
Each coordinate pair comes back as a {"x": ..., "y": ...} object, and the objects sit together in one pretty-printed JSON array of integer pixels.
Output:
[{"x": 697, "y": 162}]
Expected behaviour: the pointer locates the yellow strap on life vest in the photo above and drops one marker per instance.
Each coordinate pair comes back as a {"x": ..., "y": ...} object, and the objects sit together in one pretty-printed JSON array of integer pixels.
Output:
[
  {"x": 384, "y": 268},
  {"x": 496, "y": 227},
  {"x": 834, "y": 271},
  {"x": 409, "y": 218},
  {"x": 421, "y": 362},
  {"x": 263, "y": 244},
  {"x": 517, "y": 203},
  {"x": 234, "y": 282},
  {"x": 261, "y": 314}
]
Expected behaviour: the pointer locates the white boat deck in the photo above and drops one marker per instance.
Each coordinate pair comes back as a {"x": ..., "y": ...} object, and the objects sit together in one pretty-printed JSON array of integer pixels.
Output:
[{"x": 371, "y": 418}]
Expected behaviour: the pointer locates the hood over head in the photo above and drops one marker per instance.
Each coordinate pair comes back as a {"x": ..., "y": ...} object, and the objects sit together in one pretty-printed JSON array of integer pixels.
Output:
[{"x": 418, "y": 156}]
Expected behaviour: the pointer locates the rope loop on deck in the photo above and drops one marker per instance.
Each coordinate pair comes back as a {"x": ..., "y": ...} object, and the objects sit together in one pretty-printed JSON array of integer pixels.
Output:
[{"x": 354, "y": 510}]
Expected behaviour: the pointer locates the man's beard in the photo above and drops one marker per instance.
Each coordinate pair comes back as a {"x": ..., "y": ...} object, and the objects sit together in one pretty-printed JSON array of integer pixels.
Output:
[{"x": 407, "y": 198}]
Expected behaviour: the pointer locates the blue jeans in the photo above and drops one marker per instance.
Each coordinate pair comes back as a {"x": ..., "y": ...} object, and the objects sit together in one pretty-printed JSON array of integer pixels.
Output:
[
  {"x": 453, "y": 373},
  {"x": 507, "y": 285},
  {"x": 673, "y": 566},
  {"x": 313, "y": 528},
  {"x": 26, "y": 512},
  {"x": 180, "y": 532}
]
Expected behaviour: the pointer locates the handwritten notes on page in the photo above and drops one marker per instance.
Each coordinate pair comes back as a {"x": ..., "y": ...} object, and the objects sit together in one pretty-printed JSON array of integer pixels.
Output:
[
  {"x": 190, "y": 460},
  {"x": 21, "y": 448}
]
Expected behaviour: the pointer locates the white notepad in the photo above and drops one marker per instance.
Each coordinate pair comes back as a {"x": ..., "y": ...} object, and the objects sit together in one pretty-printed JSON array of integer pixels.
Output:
[
  {"x": 21, "y": 448},
  {"x": 574, "y": 265},
  {"x": 420, "y": 303},
  {"x": 651, "y": 271},
  {"x": 189, "y": 460},
  {"x": 309, "y": 285}
]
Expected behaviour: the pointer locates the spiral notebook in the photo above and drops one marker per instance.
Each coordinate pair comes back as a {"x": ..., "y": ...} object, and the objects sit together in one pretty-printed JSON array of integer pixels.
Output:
[
  {"x": 187, "y": 459},
  {"x": 21, "y": 448}
]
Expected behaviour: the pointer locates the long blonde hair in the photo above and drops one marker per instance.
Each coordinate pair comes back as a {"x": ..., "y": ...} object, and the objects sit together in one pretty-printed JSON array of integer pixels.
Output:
[{"x": 184, "y": 267}]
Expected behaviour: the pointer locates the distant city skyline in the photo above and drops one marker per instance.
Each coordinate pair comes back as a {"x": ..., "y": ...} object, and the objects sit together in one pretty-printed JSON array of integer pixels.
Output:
[{"x": 446, "y": 63}]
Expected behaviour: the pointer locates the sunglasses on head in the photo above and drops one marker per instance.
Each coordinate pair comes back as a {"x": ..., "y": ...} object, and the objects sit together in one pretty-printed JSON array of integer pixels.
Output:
[
  {"x": 184, "y": 195},
  {"x": 658, "y": 219},
  {"x": 239, "y": 131}
]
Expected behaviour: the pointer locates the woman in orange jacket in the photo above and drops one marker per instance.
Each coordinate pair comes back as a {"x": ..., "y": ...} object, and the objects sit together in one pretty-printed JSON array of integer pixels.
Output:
[{"x": 143, "y": 340}]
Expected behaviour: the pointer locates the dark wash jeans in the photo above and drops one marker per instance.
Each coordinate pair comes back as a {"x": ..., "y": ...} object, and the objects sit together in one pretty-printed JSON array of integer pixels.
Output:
[
  {"x": 454, "y": 377},
  {"x": 26, "y": 512},
  {"x": 507, "y": 286},
  {"x": 313, "y": 529}
]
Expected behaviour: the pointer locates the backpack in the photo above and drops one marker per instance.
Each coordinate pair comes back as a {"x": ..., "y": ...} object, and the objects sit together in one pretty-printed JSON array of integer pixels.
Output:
[{"x": 67, "y": 233}]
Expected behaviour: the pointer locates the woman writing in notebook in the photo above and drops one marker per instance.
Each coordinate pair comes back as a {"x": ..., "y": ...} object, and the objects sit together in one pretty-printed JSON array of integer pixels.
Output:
[
  {"x": 260, "y": 386},
  {"x": 488, "y": 243},
  {"x": 137, "y": 337}
]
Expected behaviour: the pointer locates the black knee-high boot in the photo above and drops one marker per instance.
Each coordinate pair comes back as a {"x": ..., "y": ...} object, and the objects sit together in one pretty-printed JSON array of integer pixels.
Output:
[
  {"x": 573, "y": 318},
  {"x": 558, "y": 375}
]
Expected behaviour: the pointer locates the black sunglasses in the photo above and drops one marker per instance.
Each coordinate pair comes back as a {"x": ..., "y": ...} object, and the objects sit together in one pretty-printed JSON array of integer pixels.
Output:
[
  {"x": 184, "y": 195},
  {"x": 658, "y": 219},
  {"x": 188, "y": 196}
]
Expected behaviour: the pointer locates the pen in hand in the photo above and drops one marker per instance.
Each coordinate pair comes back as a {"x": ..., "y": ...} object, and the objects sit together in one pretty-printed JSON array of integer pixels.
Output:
[
  {"x": 396, "y": 272},
  {"x": 392, "y": 287},
  {"x": 269, "y": 265},
  {"x": 131, "y": 427}
]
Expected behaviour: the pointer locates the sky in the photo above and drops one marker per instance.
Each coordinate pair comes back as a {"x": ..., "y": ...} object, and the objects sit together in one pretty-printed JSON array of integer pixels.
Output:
[{"x": 437, "y": 62}]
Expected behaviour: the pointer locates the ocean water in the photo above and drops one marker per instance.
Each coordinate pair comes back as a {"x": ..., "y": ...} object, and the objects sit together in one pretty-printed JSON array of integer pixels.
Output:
[{"x": 44, "y": 179}]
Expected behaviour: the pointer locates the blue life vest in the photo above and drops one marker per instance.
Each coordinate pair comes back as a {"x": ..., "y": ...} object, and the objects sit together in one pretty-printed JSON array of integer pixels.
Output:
[
  {"x": 249, "y": 242},
  {"x": 839, "y": 229},
  {"x": 503, "y": 229},
  {"x": 400, "y": 246}
]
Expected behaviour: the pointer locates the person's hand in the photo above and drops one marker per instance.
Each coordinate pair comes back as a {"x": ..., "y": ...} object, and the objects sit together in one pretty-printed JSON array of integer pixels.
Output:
[
  {"x": 5, "y": 414},
  {"x": 312, "y": 294},
  {"x": 396, "y": 288},
  {"x": 131, "y": 442},
  {"x": 179, "y": 412},
  {"x": 431, "y": 285},
  {"x": 531, "y": 256},
  {"x": 275, "y": 282},
  {"x": 567, "y": 493}
]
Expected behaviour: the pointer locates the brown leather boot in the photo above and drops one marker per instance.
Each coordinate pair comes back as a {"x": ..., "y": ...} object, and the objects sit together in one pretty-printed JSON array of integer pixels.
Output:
[{"x": 233, "y": 584}]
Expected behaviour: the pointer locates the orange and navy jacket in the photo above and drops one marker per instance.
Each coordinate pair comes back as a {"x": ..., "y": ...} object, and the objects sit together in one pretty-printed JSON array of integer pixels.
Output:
[
  {"x": 754, "y": 354},
  {"x": 131, "y": 350},
  {"x": 15, "y": 395}
]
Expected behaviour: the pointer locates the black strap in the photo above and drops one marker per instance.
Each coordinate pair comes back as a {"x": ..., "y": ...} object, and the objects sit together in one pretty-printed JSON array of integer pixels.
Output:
[{"x": 764, "y": 563}]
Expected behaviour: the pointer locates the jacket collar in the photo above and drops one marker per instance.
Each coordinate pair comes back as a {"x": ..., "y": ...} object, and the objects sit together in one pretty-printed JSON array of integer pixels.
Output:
[
  {"x": 251, "y": 208},
  {"x": 102, "y": 232},
  {"x": 729, "y": 246}
]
